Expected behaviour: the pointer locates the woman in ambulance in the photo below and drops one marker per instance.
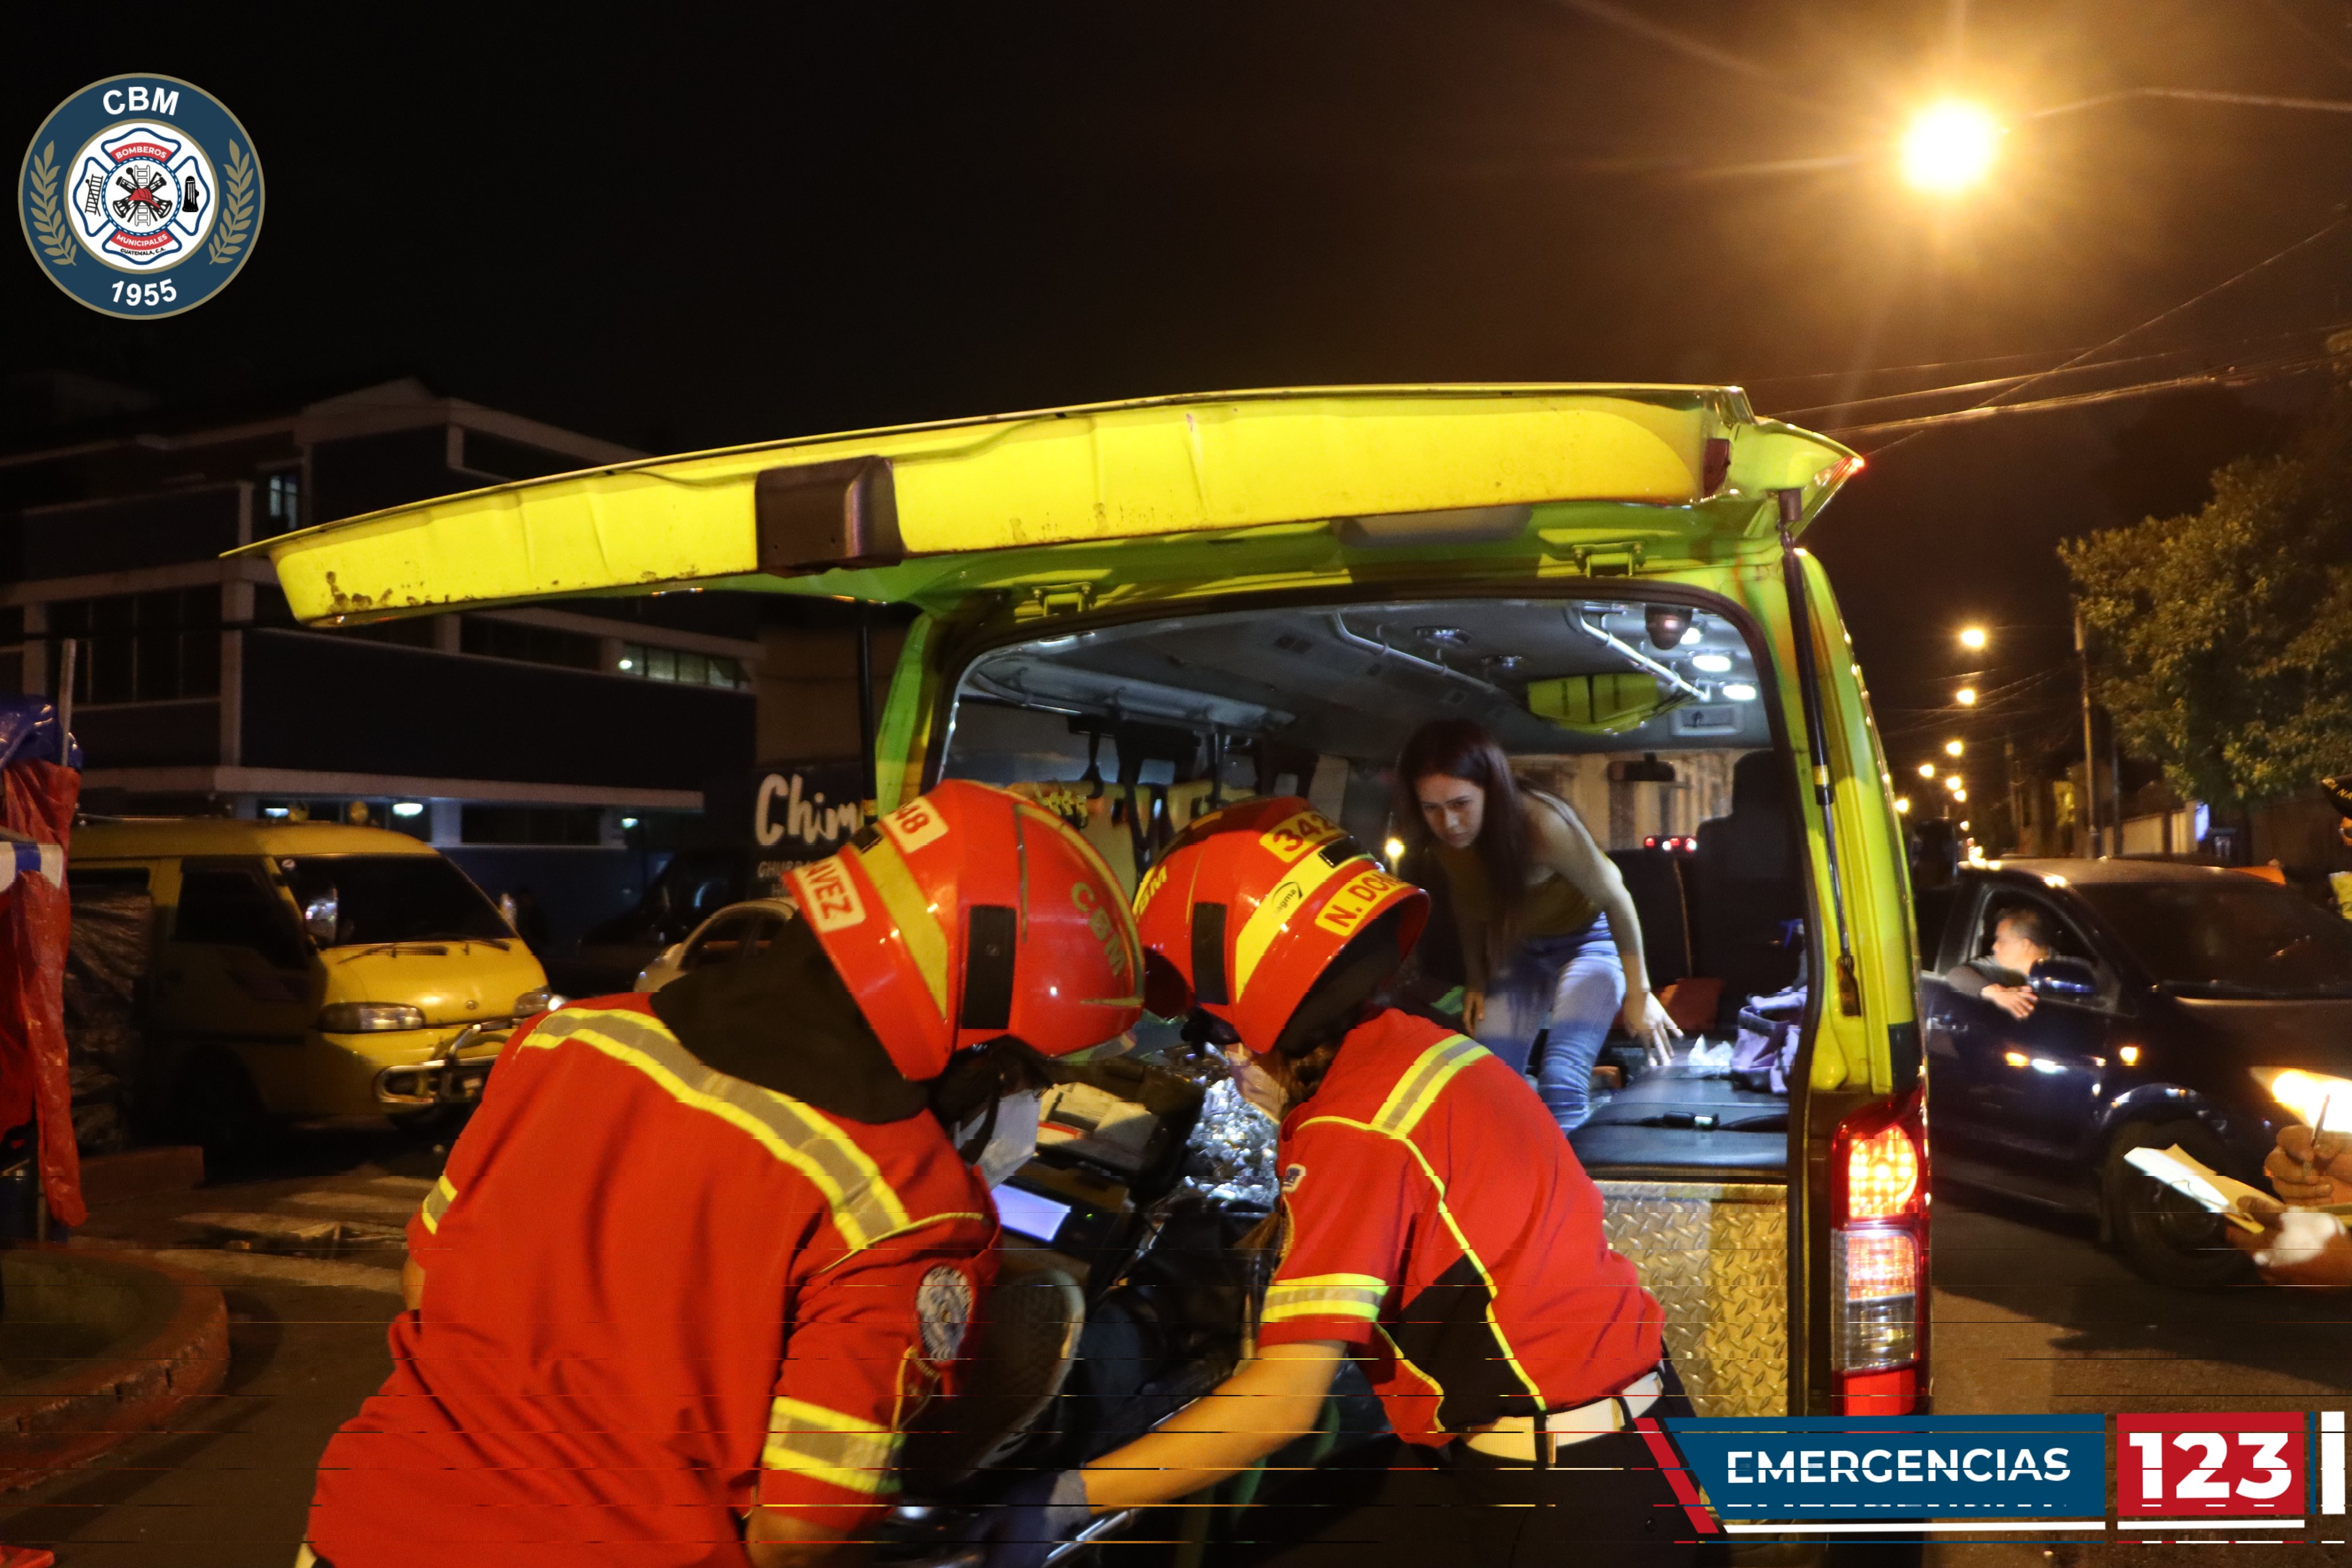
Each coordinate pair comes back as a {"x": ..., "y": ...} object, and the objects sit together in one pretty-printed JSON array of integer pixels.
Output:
[{"x": 1437, "y": 1229}]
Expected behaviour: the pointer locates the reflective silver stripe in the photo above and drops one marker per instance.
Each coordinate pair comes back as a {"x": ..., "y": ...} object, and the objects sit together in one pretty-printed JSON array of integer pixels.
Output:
[
  {"x": 865, "y": 1208},
  {"x": 1326, "y": 1296},
  {"x": 805, "y": 1440},
  {"x": 1417, "y": 1090},
  {"x": 437, "y": 1204}
]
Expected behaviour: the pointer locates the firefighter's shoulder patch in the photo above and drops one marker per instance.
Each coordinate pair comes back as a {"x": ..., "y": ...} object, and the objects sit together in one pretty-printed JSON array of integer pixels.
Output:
[{"x": 943, "y": 1304}]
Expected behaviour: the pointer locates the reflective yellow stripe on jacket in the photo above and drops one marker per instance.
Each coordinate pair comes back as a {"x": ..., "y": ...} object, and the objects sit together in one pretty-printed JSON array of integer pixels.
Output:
[
  {"x": 437, "y": 1204},
  {"x": 865, "y": 1208},
  {"x": 1326, "y": 1296},
  {"x": 1422, "y": 1083},
  {"x": 825, "y": 1445}
]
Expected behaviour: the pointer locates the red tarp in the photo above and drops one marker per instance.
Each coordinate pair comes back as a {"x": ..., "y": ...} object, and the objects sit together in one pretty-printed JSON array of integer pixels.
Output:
[{"x": 37, "y": 921}]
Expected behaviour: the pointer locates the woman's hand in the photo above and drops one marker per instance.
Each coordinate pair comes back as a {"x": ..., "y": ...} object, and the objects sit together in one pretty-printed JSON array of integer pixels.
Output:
[
  {"x": 1474, "y": 1012},
  {"x": 1646, "y": 1020}
]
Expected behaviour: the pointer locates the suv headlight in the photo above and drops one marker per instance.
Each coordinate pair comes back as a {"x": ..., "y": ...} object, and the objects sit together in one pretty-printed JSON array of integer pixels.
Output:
[
  {"x": 542, "y": 1000},
  {"x": 2308, "y": 1094},
  {"x": 369, "y": 1017}
]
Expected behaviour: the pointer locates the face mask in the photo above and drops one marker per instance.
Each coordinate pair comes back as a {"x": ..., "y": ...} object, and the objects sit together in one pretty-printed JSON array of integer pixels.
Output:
[{"x": 1012, "y": 1141}]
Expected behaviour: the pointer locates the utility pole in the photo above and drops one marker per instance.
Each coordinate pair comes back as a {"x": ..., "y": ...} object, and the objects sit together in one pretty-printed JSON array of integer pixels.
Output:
[{"x": 2090, "y": 811}]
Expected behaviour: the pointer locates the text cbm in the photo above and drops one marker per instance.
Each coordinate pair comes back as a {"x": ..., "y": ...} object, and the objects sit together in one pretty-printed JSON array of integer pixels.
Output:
[{"x": 141, "y": 99}]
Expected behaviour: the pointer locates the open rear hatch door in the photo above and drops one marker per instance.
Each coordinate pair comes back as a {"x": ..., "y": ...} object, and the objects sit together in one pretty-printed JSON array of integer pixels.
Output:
[{"x": 1316, "y": 482}]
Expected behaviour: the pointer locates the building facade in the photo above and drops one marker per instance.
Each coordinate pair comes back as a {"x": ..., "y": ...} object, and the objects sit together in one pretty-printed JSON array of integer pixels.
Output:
[{"x": 541, "y": 748}]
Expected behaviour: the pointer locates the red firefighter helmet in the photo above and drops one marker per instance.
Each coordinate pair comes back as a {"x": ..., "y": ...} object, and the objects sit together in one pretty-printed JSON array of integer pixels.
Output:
[
  {"x": 1250, "y": 905},
  {"x": 968, "y": 913}
]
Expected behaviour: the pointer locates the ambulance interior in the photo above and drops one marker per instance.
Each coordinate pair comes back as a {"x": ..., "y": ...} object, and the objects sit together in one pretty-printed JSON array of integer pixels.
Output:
[{"x": 1650, "y": 719}]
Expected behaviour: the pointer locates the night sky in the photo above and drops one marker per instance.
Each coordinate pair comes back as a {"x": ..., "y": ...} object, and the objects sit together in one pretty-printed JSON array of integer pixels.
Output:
[{"x": 691, "y": 226}]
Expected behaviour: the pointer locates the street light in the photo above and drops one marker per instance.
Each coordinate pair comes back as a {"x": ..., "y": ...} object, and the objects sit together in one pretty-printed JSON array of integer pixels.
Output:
[
  {"x": 1927, "y": 771},
  {"x": 1972, "y": 638},
  {"x": 1903, "y": 803},
  {"x": 1953, "y": 782},
  {"x": 1961, "y": 796},
  {"x": 1965, "y": 696},
  {"x": 1950, "y": 147},
  {"x": 1953, "y": 748}
]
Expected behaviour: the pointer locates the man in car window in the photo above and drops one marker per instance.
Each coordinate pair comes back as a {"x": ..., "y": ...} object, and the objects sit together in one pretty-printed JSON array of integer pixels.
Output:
[{"x": 2021, "y": 939}]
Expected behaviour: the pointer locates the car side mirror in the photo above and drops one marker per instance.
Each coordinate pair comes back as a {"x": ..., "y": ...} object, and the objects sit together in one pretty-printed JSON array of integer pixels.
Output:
[
  {"x": 321, "y": 916},
  {"x": 2064, "y": 979}
]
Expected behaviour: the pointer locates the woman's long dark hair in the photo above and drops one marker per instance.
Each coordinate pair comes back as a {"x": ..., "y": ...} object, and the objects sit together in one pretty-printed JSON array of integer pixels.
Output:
[{"x": 1465, "y": 749}]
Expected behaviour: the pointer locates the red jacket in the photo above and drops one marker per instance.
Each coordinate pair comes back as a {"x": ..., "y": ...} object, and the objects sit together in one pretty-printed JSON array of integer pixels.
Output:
[
  {"x": 654, "y": 1296},
  {"x": 1437, "y": 1219}
]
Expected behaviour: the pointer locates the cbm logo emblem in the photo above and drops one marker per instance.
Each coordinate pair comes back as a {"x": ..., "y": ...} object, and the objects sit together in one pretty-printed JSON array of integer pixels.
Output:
[{"x": 141, "y": 197}]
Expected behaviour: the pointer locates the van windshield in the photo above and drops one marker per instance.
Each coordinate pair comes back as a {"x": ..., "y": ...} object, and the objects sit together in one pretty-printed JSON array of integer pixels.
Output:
[
  {"x": 1646, "y": 724},
  {"x": 391, "y": 898}
]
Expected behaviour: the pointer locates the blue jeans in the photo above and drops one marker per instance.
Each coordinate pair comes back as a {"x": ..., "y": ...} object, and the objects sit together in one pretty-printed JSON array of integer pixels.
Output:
[{"x": 1572, "y": 986}]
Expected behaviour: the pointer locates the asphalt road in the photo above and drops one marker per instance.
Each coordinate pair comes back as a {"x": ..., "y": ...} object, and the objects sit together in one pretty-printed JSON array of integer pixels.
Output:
[{"x": 2029, "y": 1315}]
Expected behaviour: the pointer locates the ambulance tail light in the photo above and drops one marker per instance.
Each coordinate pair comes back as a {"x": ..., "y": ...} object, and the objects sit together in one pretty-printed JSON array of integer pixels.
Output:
[{"x": 1878, "y": 1259}]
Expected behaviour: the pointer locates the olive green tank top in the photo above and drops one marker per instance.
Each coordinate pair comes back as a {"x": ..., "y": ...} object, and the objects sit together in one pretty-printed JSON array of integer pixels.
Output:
[{"x": 1555, "y": 906}]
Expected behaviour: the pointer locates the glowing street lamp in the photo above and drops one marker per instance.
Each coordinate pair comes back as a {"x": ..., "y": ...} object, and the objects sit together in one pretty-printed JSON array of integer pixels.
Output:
[
  {"x": 1972, "y": 638},
  {"x": 1965, "y": 696},
  {"x": 1950, "y": 147},
  {"x": 1903, "y": 803},
  {"x": 1953, "y": 782},
  {"x": 1961, "y": 796},
  {"x": 1953, "y": 748},
  {"x": 1927, "y": 771}
]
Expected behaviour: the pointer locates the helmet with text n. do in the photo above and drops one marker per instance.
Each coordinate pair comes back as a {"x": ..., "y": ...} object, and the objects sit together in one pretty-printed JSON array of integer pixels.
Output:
[
  {"x": 1250, "y": 906},
  {"x": 969, "y": 914}
]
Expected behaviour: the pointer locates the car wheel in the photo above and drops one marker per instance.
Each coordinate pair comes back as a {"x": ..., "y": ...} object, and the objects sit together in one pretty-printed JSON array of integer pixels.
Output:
[
  {"x": 2162, "y": 1235},
  {"x": 215, "y": 1105}
]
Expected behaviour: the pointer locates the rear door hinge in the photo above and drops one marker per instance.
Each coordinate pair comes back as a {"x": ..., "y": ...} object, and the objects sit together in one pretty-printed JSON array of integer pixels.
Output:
[
  {"x": 1056, "y": 599},
  {"x": 1621, "y": 558}
]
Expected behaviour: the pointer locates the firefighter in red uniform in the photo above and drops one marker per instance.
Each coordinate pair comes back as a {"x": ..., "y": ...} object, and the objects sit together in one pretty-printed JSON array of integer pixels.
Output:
[
  {"x": 1438, "y": 1231},
  {"x": 701, "y": 1254}
]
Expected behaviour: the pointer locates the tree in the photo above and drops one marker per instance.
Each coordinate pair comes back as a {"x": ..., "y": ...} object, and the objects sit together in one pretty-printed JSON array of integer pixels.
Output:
[{"x": 2222, "y": 638}]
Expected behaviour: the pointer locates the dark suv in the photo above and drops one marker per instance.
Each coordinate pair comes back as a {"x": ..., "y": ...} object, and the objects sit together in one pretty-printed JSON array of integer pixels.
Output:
[{"x": 2187, "y": 1005}]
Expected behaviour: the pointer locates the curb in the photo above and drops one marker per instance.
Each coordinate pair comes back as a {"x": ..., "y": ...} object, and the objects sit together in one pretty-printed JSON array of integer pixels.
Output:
[{"x": 175, "y": 1350}]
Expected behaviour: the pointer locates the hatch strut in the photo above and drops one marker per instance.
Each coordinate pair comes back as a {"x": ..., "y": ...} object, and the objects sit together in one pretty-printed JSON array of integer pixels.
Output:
[
  {"x": 1817, "y": 741},
  {"x": 869, "y": 775}
]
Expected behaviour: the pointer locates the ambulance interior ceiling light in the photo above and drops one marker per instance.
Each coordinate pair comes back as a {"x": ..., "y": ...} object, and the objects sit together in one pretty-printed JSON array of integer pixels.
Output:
[
  {"x": 1711, "y": 664},
  {"x": 1739, "y": 691}
]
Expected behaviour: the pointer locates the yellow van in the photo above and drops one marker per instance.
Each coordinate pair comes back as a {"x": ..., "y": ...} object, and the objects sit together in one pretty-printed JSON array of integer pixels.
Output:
[{"x": 309, "y": 970}]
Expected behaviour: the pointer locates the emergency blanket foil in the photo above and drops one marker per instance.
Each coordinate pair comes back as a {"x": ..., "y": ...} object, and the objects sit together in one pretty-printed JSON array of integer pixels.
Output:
[
  {"x": 1229, "y": 1158},
  {"x": 1716, "y": 1255}
]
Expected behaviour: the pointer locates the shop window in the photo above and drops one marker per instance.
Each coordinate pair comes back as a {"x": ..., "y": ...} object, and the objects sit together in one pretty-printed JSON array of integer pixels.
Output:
[
  {"x": 143, "y": 647},
  {"x": 576, "y": 826},
  {"x": 677, "y": 665},
  {"x": 281, "y": 502},
  {"x": 531, "y": 644}
]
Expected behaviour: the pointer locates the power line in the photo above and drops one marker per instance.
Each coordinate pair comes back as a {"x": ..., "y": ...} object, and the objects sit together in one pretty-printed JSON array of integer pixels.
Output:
[
  {"x": 1916, "y": 428},
  {"x": 1921, "y": 423}
]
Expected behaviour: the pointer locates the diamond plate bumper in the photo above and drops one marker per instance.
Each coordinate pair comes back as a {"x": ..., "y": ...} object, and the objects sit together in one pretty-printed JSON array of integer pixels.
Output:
[{"x": 1716, "y": 1257}]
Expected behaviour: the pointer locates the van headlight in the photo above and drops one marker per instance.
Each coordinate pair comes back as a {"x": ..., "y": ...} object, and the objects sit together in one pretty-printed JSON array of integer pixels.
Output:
[
  {"x": 2308, "y": 1094},
  {"x": 542, "y": 1000},
  {"x": 369, "y": 1017}
]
